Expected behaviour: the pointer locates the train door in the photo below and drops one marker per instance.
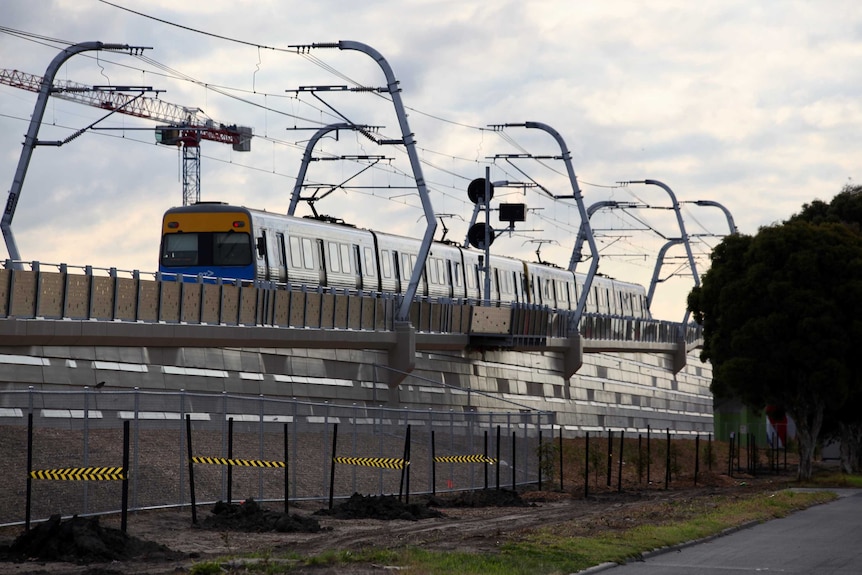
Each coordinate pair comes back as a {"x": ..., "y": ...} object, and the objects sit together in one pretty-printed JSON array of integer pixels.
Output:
[
  {"x": 281, "y": 258},
  {"x": 458, "y": 285},
  {"x": 390, "y": 278},
  {"x": 518, "y": 283},
  {"x": 366, "y": 268},
  {"x": 263, "y": 251},
  {"x": 408, "y": 263},
  {"x": 537, "y": 290},
  {"x": 318, "y": 256},
  {"x": 350, "y": 263}
]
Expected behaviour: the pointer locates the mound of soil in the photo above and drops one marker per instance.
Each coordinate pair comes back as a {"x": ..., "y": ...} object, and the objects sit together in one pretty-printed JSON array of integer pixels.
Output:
[
  {"x": 385, "y": 507},
  {"x": 482, "y": 498},
  {"x": 82, "y": 540},
  {"x": 250, "y": 517}
]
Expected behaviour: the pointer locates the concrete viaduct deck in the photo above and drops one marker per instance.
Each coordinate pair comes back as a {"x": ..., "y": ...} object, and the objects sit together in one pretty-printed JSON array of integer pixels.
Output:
[{"x": 41, "y": 308}]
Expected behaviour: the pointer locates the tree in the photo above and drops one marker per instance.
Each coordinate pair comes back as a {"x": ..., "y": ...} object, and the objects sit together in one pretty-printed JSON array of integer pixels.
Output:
[
  {"x": 845, "y": 425},
  {"x": 779, "y": 312}
]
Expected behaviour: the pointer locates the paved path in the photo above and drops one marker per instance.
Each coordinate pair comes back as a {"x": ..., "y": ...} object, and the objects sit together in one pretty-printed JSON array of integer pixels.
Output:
[{"x": 822, "y": 540}]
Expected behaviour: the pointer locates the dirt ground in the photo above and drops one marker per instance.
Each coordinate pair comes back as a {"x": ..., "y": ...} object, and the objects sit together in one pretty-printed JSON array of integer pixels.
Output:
[{"x": 167, "y": 542}]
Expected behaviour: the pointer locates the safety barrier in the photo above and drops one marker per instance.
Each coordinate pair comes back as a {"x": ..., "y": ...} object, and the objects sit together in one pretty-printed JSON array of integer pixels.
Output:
[
  {"x": 230, "y": 462},
  {"x": 60, "y": 291},
  {"x": 79, "y": 474}
]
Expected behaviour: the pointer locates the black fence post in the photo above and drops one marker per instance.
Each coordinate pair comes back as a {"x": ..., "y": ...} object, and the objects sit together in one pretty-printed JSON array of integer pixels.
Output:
[
  {"x": 709, "y": 451},
  {"x": 29, "y": 471},
  {"x": 230, "y": 459},
  {"x": 620, "y": 465},
  {"x": 124, "y": 516},
  {"x": 286, "y": 473},
  {"x": 561, "y": 458},
  {"x": 730, "y": 456},
  {"x": 648, "y": 455},
  {"x": 610, "y": 454},
  {"x": 667, "y": 462},
  {"x": 433, "y": 464},
  {"x": 485, "y": 457},
  {"x": 191, "y": 467},
  {"x": 498, "y": 458},
  {"x": 541, "y": 459},
  {"x": 332, "y": 464},
  {"x": 405, "y": 469},
  {"x": 587, "y": 467},
  {"x": 696, "y": 457},
  {"x": 514, "y": 462}
]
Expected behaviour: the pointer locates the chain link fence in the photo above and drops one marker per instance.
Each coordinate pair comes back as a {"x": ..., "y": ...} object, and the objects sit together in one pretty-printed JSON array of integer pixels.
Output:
[{"x": 254, "y": 447}]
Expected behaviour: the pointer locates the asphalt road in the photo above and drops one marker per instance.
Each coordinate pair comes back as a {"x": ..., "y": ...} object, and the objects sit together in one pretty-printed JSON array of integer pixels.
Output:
[{"x": 822, "y": 540}]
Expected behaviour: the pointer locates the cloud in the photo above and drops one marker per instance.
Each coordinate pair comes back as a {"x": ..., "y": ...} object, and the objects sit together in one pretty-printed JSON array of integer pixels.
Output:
[{"x": 753, "y": 105}]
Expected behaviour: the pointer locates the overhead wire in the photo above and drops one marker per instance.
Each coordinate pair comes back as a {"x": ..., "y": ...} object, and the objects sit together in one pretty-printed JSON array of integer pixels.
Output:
[{"x": 227, "y": 92}]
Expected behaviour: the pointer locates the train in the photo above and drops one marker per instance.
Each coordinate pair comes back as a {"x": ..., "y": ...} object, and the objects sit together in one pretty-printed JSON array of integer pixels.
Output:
[{"x": 219, "y": 240}]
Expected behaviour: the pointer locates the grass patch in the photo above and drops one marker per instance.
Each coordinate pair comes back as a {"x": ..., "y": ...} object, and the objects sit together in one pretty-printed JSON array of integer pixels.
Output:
[
  {"x": 579, "y": 544},
  {"x": 700, "y": 519},
  {"x": 831, "y": 478}
]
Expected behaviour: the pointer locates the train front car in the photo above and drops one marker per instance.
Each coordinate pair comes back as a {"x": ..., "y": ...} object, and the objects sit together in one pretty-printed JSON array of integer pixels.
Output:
[{"x": 212, "y": 240}]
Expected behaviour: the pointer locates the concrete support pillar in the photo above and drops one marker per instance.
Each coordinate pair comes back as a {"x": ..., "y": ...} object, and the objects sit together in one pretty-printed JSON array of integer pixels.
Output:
[
  {"x": 680, "y": 356},
  {"x": 573, "y": 357},
  {"x": 402, "y": 356}
]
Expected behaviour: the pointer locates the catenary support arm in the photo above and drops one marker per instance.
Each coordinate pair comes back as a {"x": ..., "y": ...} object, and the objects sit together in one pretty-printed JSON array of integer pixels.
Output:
[{"x": 31, "y": 139}]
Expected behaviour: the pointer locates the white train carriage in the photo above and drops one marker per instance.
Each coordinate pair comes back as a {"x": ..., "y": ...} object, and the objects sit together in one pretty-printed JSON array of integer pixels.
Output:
[
  {"x": 309, "y": 252},
  {"x": 302, "y": 251}
]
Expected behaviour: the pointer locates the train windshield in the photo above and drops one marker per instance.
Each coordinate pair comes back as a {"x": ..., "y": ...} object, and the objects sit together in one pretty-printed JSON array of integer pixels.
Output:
[{"x": 206, "y": 249}]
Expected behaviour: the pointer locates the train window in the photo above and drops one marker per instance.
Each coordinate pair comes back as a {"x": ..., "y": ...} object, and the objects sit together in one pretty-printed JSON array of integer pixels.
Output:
[
  {"x": 333, "y": 257},
  {"x": 385, "y": 263},
  {"x": 345, "y": 258},
  {"x": 432, "y": 270},
  {"x": 231, "y": 249},
  {"x": 207, "y": 248},
  {"x": 472, "y": 274},
  {"x": 295, "y": 252},
  {"x": 180, "y": 250},
  {"x": 279, "y": 238},
  {"x": 456, "y": 271},
  {"x": 441, "y": 272},
  {"x": 369, "y": 262},
  {"x": 307, "y": 254},
  {"x": 406, "y": 268}
]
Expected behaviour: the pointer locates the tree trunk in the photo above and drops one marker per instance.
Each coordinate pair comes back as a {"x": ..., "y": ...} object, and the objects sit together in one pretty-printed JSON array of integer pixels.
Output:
[
  {"x": 846, "y": 448},
  {"x": 808, "y": 424},
  {"x": 851, "y": 436}
]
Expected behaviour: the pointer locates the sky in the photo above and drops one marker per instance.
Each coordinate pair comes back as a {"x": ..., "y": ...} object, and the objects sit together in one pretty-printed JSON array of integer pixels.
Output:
[{"x": 751, "y": 104}]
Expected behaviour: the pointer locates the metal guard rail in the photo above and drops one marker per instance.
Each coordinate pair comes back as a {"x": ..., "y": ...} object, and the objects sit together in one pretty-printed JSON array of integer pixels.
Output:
[{"x": 110, "y": 294}]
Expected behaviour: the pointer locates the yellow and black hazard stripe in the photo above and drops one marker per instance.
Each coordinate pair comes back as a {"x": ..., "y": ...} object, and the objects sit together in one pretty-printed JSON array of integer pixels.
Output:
[
  {"x": 80, "y": 474},
  {"x": 385, "y": 462},
  {"x": 464, "y": 459},
  {"x": 237, "y": 462}
]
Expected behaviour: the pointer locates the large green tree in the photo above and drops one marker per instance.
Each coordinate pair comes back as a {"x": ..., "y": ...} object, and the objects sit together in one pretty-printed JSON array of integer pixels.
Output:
[
  {"x": 779, "y": 312},
  {"x": 845, "y": 424}
]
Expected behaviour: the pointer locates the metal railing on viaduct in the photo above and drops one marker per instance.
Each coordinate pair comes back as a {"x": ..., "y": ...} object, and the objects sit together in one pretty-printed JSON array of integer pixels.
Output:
[{"x": 49, "y": 304}]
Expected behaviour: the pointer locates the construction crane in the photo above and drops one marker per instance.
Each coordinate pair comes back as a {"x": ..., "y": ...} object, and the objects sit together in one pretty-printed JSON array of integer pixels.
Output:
[{"x": 186, "y": 127}]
